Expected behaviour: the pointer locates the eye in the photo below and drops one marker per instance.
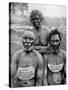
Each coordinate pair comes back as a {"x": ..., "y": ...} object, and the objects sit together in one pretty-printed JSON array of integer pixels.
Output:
[
  {"x": 57, "y": 40},
  {"x": 54, "y": 41},
  {"x": 35, "y": 18},
  {"x": 25, "y": 38},
  {"x": 31, "y": 38}
]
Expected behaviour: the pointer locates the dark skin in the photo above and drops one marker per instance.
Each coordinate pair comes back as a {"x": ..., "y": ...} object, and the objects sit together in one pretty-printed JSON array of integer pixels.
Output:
[
  {"x": 40, "y": 33},
  {"x": 30, "y": 62},
  {"x": 57, "y": 58},
  {"x": 27, "y": 58}
]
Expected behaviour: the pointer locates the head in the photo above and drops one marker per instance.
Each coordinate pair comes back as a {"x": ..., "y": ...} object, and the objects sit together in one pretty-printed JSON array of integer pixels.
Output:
[
  {"x": 28, "y": 40},
  {"x": 36, "y": 18},
  {"x": 55, "y": 39}
]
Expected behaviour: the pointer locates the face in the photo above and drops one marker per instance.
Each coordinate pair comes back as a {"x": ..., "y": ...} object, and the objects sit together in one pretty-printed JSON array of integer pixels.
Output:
[
  {"x": 28, "y": 41},
  {"x": 55, "y": 42},
  {"x": 36, "y": 21}
]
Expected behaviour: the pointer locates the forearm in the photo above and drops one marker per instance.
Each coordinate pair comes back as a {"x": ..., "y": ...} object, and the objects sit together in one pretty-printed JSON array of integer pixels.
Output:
[
  {"x": 13, "y": 81},
  {"x": 39, "y": 81},
  {"x": 42, "y": 49},
  {"x": 13, "y": 70},
  {"x": 45, "y": 81},
  {"x": 13, "y": 76},
  {"x": 65, "y": 75}
]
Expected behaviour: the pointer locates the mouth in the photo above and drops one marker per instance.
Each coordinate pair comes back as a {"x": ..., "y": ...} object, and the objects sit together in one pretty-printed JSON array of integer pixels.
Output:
[
  {"x": 55, "y": 46},
  {"x": 36, "y": 23},
  {"x": 27, "y": 46}
]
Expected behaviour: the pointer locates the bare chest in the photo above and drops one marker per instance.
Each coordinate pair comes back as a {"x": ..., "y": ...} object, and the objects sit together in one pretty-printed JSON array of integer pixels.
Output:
[
  {"x": 55, "y": 59},
  {"x": 27, "y": 60}
]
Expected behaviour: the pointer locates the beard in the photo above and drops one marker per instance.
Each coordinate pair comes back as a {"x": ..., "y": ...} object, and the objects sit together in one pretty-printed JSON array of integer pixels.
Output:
[
  {"x": 28, "y": 47},
  {"x": 37, "y": 25},
  {"x": 55, "y": 47}
]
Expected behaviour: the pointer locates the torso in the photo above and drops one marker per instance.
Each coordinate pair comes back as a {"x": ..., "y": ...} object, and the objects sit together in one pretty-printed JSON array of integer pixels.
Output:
[
  {"x": 55, "y": 65},
  {"x": 27, "y": 65},
  {"x": 41, "y": 36}
]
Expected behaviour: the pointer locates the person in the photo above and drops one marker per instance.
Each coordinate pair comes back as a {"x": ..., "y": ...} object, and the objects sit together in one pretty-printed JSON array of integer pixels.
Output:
[
  {"x": 41, "y": 33},
  {"x": 55, "y": 62},
  {"x": 27, "y": 64}
]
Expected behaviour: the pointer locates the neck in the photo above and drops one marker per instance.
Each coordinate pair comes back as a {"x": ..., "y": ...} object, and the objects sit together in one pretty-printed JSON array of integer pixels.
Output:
[
  {"x": 55, "y": 51},
  {"x": 37, "y": 28},
  {"x": 28, "y": 51}
]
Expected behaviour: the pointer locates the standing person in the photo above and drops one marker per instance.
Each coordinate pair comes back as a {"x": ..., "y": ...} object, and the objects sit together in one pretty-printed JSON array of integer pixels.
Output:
[
  {"x": 55, "y": 62},
  {"x": 27, "y": 64},
  {"x": 41, "y": 33}
]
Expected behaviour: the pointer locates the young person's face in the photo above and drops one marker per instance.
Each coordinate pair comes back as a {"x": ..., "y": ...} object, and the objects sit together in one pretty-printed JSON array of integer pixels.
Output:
[{"x": 55, "y": 42}]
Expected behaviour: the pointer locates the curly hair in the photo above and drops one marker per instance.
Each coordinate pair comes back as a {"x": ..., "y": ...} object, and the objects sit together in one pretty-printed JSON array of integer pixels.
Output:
[
  {"x": 34, "y": 13},
  {"x": 54, "y": 32}
]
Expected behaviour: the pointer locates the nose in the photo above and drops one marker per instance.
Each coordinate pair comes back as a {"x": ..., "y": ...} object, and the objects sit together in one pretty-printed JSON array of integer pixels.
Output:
[
  {"x": 55, "y": 43},
  {"x": 28, "y": 40},
  {"x": 35, "y": 20}
]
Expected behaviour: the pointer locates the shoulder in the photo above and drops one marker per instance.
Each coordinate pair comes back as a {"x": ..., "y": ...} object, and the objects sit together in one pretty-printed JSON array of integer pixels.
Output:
[
  {"x": 63, "y": 52},
  {"x": 17, "y": 53},
  {"x": 63, "y": 55},
  {"x": 46, "y": 29},
  {"x": 38, "y": 55}
]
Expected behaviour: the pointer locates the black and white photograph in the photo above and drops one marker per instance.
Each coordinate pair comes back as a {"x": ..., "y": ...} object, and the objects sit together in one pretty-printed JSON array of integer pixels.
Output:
[{"x": 37, "y": 44}]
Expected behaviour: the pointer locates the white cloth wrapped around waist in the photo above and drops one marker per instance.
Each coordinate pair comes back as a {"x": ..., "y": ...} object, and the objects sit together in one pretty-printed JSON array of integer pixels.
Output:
[
  {"x": 55, "y": 68},
  {"x": 26, "y": 73}
]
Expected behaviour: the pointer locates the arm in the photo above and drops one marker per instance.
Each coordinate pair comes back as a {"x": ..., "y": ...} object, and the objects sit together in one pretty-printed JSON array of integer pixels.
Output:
[
  {"x": 65, "y": 62},
  {"x": 39, "y": 71},
  {"x": 41, "y": 49},
  {"x": 45, "y": 71},
  {"x": 14, "y": 68},
  {"x": 14, "y": 64},
  {"x": 64, "y": 54}
]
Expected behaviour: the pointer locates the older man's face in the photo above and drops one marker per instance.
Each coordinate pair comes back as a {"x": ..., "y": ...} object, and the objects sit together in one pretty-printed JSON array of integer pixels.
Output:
[
  {"x": 55, "y": 42},
  {"x": 36, "y": 21},
  {"x": 28, "y": 40}
]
